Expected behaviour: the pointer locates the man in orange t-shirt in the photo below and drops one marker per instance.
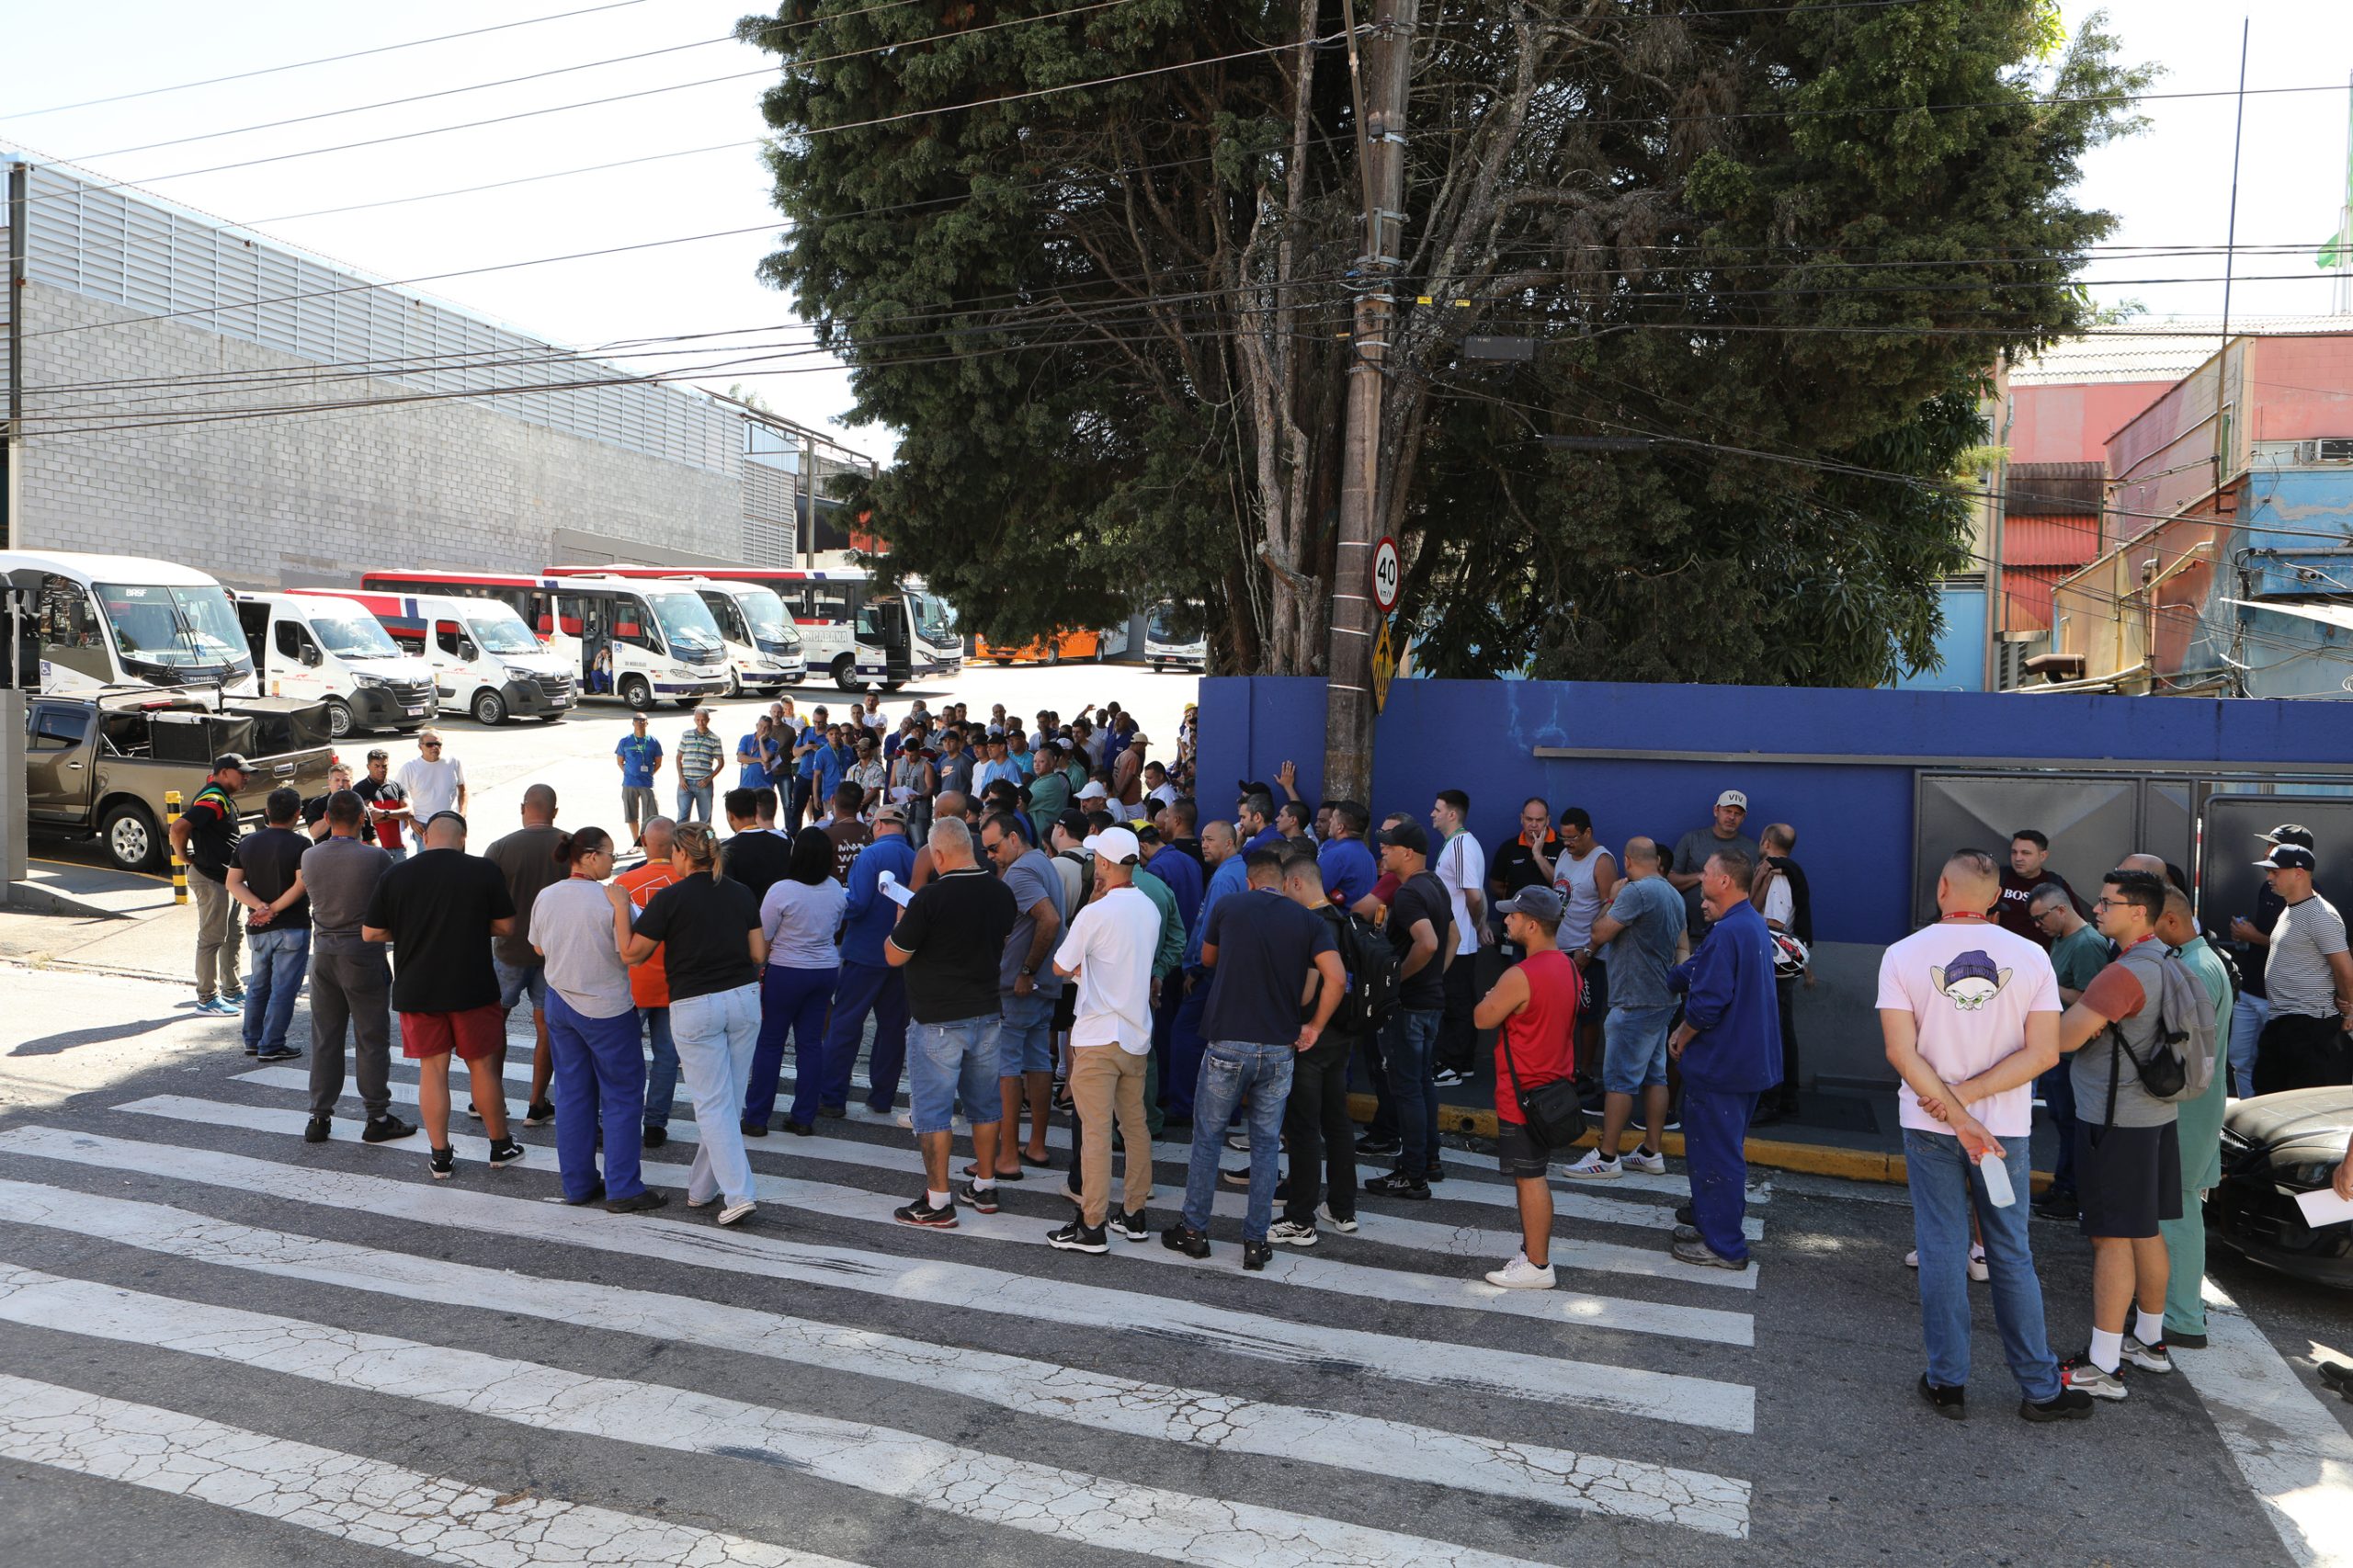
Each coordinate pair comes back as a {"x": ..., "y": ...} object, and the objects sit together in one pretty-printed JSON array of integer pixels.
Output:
[{"x": 649, "y": 983}]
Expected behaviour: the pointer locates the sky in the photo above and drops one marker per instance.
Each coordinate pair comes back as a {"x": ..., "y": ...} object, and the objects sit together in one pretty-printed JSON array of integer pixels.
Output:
[{"x": 2170, "y": 186}]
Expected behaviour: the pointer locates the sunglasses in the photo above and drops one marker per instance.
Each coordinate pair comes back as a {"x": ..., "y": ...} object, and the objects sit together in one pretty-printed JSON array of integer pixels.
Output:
[{"x": 431, "y": 745}]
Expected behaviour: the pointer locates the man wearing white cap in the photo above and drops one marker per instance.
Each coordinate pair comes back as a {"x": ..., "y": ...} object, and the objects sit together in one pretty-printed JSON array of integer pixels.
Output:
[
  {"x": 1692, "y": 852},
  {"x": 2309, "y": 976},
  {"x": 1109, "y": 948}
]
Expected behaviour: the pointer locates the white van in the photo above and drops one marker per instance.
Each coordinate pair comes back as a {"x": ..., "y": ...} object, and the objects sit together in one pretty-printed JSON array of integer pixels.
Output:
[
  {"x": 1177, "y": 637},
  {"x": 335, "y": 651},
  {"x": 485, "y": 661}
]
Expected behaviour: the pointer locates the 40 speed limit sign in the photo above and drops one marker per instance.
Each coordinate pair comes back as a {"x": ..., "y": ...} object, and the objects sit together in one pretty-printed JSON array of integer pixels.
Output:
[{"x": 1386, "y": 572}]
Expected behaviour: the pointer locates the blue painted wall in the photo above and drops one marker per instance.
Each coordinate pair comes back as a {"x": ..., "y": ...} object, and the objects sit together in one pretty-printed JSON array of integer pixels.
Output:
[
  {"x": 1960, "y": 647},
  {"x": 1854, "y": 822}
]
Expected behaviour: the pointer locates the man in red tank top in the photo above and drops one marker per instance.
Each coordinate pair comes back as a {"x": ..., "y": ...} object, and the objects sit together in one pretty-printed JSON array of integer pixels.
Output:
[{"x": 1533, "y": 1010}]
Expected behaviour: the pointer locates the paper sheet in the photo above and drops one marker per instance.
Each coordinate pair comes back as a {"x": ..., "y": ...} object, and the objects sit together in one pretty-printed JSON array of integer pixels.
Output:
[
  {"x": 2324, "y": 1207},
  {"x": 895, "y": 890}
]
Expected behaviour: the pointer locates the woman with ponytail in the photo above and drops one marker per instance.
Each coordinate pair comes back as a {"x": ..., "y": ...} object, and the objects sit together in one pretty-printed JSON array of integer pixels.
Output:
[{"x": 579, "y": 926}]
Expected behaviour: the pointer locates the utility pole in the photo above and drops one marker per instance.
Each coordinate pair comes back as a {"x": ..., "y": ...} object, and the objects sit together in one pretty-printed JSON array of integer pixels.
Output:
[
  {"x": 12, "y": 491},
  {"x": 1380, "y": 85}
]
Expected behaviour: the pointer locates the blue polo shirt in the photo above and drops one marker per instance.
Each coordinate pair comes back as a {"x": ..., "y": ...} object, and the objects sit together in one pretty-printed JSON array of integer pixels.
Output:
[
  {"x": 832, "y": 764},
  {"x": 640, "y": 761},
  {"x": 1349, "y": 871},
  {"x": 867, "y": 912}
]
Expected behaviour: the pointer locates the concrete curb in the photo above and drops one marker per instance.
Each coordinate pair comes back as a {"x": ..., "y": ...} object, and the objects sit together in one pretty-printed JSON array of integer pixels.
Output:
[{"x": 31, "y": 898}]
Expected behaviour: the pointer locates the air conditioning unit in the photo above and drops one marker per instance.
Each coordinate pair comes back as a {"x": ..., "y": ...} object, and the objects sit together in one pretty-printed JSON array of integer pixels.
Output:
[{"x": 2326, "y": 450}]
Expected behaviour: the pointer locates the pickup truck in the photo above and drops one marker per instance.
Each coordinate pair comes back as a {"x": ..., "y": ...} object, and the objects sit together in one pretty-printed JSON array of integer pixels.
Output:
[{"x": 99, "y": 766}]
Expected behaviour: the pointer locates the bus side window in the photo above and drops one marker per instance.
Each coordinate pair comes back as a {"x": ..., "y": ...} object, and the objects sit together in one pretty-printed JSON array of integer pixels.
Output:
[
  {"x": 446, "y": 637},
  {"x": 65, "y": 618},
  {"x": 795, "y": 601}
]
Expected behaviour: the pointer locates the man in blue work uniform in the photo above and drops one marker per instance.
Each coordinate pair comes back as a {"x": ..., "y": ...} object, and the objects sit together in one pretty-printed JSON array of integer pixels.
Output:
[
  {"x": 1221, "y": 848},
  {"x": 868, "y": 983},
  {"x": 1729, "y": 1044}
]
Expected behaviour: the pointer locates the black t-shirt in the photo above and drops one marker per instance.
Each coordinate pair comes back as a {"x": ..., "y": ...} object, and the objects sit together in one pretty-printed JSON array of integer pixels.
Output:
[
  {"x": 700, "y": 923},
  {"x": 438, "y": 906},
  {"x": 956, "y": 927},
  {"x": 526, "y": 857},
  {"x": 212, "y": 832},
  {"x": 757, "y": 858},
  {"x": 1514, "y": 867},
  {"x": 270, "y": 860},
  {"x": 1421, "y": 897},
  {"x": 1266, "y": 946}
]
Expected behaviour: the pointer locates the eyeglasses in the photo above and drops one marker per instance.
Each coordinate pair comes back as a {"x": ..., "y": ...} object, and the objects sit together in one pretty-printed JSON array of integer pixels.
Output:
[
  {"x": 2103, "y": 903},
  {"x": 2047, "y": 913}
]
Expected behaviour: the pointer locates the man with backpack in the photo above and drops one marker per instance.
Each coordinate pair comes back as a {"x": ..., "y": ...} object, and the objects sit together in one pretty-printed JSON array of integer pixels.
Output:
[
  {"x": 1316, "y": 1126},
  {"x": 2141, "y": 1040}
]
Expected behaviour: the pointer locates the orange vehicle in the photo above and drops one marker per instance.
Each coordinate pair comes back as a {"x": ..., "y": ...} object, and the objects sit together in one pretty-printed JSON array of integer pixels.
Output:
[{"x": 1063, "y": 646}]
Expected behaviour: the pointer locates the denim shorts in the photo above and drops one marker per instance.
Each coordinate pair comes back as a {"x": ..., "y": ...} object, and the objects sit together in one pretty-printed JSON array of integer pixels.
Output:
[
  {"x": 1634, "y": 1048},
  {"x": 951, "y": 1062},
  {"x": 1026, "y": 1043},
  {"x": 514, "y": 980}
]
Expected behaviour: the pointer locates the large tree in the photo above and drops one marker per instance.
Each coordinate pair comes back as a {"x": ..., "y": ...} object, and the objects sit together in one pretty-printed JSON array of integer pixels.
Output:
[{"x": 1094, "y": 263}]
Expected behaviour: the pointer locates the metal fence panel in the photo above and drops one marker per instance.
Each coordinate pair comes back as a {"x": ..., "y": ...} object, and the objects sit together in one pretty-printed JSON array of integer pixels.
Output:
[
  {"x": 2092, "y": 822},
  {"x": 2228, "y": 878}
]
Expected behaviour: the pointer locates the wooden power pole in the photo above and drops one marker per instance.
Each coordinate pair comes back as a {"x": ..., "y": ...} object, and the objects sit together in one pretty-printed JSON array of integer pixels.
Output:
[{"x": 1379, "y": 73}]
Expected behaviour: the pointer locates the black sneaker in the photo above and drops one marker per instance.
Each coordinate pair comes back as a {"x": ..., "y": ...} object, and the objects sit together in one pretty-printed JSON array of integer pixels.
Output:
[
  {"x": 801, "y": 1129},
  {"x": 1948, "y": 1403},
  {"x": 753, "y": 1129},
  {"x": 505, "y": 1151},
  {"x": 384, "y": 1129},
  {"x": 539, "y": 1113},
  {"x": 1181, "y": 1237},
  {"x": 1684, "y": 1215},
  {"x": 1239, "y": 1179},
  {"x": 1256, "y": 1256},
  {"x": 595, "y": 1195},
  {"x": 2069, "y": 1405},
  {"x": 2058, "y": 1203},
  {"x": 315, "y": 1130},
  {"x": 1435, "y": 1174},
  {"x": 637, "y": 1203},
  {"x": 978, "y": 1198},
  {"x": 1130, "y": 1226},
  {"x": 283, "y": 1053},
  {"x": 444, "y": 1163},
  {"x": 920, "y": 1212},
  {"x": 473, "y": 1110},
  {"x": 1078, "y": 1236},
  {"x": 656, "y": 1136},
  {"x": 1397, "y": 1184},
  {"x": 832, "y": 1112},
  {"x": 1374, "y": 1144}
]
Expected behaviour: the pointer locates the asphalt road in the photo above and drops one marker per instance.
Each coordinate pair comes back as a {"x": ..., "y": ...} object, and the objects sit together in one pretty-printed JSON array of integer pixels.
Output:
[{"x": 221, "y": 1345}]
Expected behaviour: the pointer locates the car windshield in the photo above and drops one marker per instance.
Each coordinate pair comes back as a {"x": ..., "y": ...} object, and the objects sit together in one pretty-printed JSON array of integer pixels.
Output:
[
  {"x": 501, "y": 633},
  {"x": 935, "y": 622},
  {"x": 686, "y": 623},
  {"x": 354, "y": 637},
  {"x": 177, "y": 629}
]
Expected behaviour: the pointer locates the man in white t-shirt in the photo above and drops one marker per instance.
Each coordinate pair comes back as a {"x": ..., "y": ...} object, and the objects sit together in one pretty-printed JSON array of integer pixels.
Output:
[
  {"x": 1109, "y": 948},
  {"x": 1969, "y": 1012},
  {"x": 435, "y": 781},
  {"x": 1461, "y": 866}
]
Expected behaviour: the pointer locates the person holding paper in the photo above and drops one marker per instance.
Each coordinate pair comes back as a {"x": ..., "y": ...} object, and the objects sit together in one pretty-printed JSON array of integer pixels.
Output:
[{"x": 1969, "y": 1015}]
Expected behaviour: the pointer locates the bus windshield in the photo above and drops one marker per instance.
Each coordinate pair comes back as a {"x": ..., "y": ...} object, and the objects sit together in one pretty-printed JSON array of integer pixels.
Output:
[
  {"x": 498, "y": 629},
  {"x": 686, "y": 623},
  {"x": 179, "y": 631},
  {"x": 935, "y": 623},
  {"x": 764, "y": 614},
  {"x": 1175, "y": 623},
  {"x": 354, "y": 637}
]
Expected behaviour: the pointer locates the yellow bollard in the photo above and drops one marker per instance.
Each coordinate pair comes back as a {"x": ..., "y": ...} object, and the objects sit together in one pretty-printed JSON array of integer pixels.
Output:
[{"x": 179, "y": 867}]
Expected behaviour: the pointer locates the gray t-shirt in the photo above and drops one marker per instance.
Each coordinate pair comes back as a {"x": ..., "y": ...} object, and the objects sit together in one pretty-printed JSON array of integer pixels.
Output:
[
  {"x": 1029, "y": 879},
  {"x": 1640, "y": 956},
  {"x": 799, "y": 922},
  {"x": 1692, "y": 852},
  {"x": 572, "y": 923},
  {"x": 340, "y": 875},
  {"x": 2133, "y": 977},
  {"x": 2296, "y": 973}
]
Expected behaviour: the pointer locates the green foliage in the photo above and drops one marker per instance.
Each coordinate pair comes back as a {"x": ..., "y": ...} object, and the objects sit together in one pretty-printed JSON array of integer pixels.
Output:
[{"x": 1789, "y": 243}]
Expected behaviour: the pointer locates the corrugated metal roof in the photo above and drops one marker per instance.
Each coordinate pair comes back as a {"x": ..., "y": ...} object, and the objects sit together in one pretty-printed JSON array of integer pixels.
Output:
[
  {"x": 2026, "y": 597},
  {"x": 2049, "y": 541},
  {"x": 2055, "y": 490},
  {"x": 2157, "y": 349}
]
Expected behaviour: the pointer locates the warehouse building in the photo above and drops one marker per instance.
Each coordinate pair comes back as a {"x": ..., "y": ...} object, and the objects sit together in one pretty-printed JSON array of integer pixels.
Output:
[{"x": 200, "y": 392}]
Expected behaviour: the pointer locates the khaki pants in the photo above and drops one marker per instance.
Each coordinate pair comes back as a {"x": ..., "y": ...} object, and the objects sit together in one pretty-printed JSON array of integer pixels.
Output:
[
  {"x": 220, "y": 936},
  {"x": 1106, "y": 1082}
]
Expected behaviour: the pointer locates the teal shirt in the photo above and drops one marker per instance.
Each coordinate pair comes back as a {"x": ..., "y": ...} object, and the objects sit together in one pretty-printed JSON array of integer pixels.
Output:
[
  {"x": 2202, "y": 1118},
  {"x": 1171, "y": 951},
  {"x": 2078, "y": 958}
]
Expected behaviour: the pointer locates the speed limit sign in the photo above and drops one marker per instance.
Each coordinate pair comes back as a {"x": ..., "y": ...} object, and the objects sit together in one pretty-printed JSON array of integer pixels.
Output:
[{"x": 1385, "y": 574}]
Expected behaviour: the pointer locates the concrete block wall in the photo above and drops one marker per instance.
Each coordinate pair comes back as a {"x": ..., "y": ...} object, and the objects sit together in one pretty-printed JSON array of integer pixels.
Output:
[{"x": 315, "y": 498}]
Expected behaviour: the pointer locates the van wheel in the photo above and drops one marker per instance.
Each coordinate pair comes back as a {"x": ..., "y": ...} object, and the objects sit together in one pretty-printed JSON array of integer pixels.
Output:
[
  {"x": 637, "y": 693},
  {"x": 735, "y": 686},
  {"x": 133, "y": 840},
  {"x": 489, "y": 709},
  {"x": 339, "y": 722},
  {"x": 846, "y": 674}
]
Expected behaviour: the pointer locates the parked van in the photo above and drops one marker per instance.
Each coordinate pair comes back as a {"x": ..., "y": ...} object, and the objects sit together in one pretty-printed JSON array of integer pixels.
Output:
[
  {"x": 485, "y": 661},
  {"x": 92, "y": 622},
  {"x": 335, "y": 651}
]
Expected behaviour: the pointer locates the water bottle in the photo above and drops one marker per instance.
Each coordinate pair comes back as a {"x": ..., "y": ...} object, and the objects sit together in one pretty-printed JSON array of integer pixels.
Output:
[{"x": 1996, "y": 1172}]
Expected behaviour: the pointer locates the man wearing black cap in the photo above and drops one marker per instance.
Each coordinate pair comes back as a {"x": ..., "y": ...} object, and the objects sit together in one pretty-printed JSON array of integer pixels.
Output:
[
  {"x": 2309, "y": 976},
  {"x": 205, "y": 837},
  {"x": 2250, "y": 946},
  {"x": 1420, "y": 928}
]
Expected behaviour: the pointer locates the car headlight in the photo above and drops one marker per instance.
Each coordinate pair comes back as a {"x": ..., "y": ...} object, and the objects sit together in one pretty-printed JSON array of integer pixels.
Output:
[
  {"x": 516, "y": 672},
  {"x": 2305, "y": 1175},
  {"x": 373, "y": 683}
]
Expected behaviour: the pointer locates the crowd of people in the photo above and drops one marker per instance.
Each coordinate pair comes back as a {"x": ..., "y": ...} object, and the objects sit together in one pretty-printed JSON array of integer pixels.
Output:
[{"x": 1020, "y": 920}]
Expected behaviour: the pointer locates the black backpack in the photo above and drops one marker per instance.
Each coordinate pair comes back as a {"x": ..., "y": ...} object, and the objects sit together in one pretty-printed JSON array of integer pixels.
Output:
[{"x": 1371, "y": 965}]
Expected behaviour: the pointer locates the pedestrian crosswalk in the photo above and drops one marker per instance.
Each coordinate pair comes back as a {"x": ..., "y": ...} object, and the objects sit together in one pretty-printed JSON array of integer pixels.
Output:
[{"x": 1132, "y": 1403}]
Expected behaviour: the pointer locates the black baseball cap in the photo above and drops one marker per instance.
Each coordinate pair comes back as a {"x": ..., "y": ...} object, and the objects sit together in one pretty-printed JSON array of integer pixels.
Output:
[
  {"x": 2289, "y": 858},
  {"x": 1408, "y": 835},
  {"x": 228, "y": 759},
  {"x": 2288, "y": 833}
]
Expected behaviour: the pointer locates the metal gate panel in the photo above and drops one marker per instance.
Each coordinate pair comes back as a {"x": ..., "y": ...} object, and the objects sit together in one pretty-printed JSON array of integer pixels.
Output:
[
  {"x": 2168, "y": 821},
  {"x": 2092, "y": 820},
  {"x": 2228, "y": 877}
]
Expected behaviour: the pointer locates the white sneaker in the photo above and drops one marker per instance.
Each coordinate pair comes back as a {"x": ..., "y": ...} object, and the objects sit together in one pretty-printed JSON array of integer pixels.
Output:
[
  {"x": 1448, "y": 1078},
  {"x": 1521, "y": 1275},
  {"x": 906, "y": 1118},
  {"x": 1977, "y": 1269},
  {"x": 1648, "y": 1162},
  {"x": 1346, "y": 1227},
  {"x": 1595, "y": 1167},
  {"x": 1912, "y": 1260},
  {"x": 736, "y": 1211},
  {"x": 1283, "y": 1232}
]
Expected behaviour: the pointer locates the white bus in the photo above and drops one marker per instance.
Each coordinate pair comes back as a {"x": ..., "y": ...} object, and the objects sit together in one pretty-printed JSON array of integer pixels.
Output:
[
  {"x": 1177, "y": 637},
  {"x": 630, "y": 642},
  {"x": 86, "y": 623},
  {"x": 326, "y": 649},
  {"x": 764, "y": 651}
]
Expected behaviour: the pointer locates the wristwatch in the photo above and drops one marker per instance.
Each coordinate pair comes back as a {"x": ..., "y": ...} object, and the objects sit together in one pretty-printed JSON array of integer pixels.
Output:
[{"x": 1032, "y": 973}]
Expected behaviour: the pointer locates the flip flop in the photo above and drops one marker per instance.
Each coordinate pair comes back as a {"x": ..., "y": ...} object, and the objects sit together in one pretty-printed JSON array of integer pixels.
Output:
[{"x": 974, "y": 1169}]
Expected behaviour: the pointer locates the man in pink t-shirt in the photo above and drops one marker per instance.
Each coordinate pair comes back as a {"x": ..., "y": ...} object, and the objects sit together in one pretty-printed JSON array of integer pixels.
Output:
[{"x": 1969, "y": 1012}]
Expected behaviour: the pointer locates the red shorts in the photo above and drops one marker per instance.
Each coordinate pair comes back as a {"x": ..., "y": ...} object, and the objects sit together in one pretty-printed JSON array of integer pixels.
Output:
[{"x": 477, "y": 1031}]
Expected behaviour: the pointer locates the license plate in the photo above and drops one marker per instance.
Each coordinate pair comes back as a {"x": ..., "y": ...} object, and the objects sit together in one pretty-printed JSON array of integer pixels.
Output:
[{"x": 417, "y": 713}]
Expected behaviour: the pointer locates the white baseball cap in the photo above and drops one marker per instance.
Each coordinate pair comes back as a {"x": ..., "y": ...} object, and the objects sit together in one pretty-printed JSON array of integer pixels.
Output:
[
  {"x": 1117, "y": 845},
  {"x": 1092, "y": 791},
  {"x": 1733, "y": 798}
]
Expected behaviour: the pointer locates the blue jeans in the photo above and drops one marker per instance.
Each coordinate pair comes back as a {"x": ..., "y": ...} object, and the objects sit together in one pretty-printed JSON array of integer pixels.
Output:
[
  {"x": 1231, "y": 1069},
  {"x": 862, "y": 988},
  {"x": 1945, "y": 1186},
  {"x": 279, "y": 960},
  {"x": 950, "y": 1063},
  {"x": 2248, "y": 1015},
  {"x": 793, "y": 1002},
  {"x": 1026, "y": 1041},
  {"x": 1405, "y": 1053},
  {"x": 516, "y": 980},
  {"x": 1634, "y": 1048},
  {"x": 715, "y": 1036},
  {"x": 600, "y": 1081},
  {"x": 662, "y": 1074},
  {"x": 693, "y": 798},
  {"x": 1715, "y": 1152},
  {"x": 2057, "y": 1088}
]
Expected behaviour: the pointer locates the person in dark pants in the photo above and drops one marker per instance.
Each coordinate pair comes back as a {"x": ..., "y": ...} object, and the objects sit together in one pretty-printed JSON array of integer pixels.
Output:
[
  {"x": 1419, "y": 929},
  {"x": 1730, "y": 1048},
  {"x": 351, "y": 980},
  {"x": 2078, "y": 952},
  {"x": 1781, "y": 893},
  {"x": 2309, "y": 975},
  {"x": 1316, "y": 1126}
]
